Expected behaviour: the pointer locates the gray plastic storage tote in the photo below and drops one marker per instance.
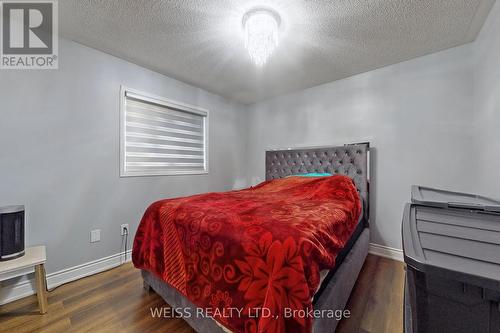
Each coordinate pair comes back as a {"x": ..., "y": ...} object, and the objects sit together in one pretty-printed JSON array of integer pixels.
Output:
[{"x": 451, "y": 244}]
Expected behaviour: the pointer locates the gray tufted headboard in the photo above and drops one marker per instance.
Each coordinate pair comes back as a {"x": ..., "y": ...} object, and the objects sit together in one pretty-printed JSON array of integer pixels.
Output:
[{"x": 351, "y": 160}]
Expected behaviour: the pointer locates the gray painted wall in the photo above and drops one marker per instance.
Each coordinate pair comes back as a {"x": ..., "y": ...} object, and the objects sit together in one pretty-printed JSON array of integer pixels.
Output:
[
  {"x": 59, "y": 135},
  {"x": 487, "y": 102},
  {"x": 59, "y": 139},
  {"x": 417, "y": 115}
]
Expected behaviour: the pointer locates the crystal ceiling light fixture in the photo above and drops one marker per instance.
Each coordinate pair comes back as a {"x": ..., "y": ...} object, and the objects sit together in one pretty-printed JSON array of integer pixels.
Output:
[{"x": 261, "y": 27}]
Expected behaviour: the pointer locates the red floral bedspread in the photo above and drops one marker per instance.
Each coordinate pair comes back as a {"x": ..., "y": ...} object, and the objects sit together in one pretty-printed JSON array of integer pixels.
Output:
[{"x": 250, "y": 257}]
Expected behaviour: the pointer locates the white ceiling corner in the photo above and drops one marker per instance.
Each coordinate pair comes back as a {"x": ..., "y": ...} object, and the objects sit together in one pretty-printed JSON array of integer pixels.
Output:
[{"x": 201, "y": 42}]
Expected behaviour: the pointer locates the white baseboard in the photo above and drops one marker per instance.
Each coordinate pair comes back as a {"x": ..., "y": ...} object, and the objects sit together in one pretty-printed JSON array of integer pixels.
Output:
[
  {"x": 386, "y": 251},
  {"x": 25, "y": 287}
]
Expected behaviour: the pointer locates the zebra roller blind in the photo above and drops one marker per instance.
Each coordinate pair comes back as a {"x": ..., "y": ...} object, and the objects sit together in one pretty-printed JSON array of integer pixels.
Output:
[{"x": 161, "y": 137}]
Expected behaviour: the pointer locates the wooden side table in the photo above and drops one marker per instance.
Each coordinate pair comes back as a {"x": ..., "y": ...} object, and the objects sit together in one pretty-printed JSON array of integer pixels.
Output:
[{"x": 33, "y": 259}]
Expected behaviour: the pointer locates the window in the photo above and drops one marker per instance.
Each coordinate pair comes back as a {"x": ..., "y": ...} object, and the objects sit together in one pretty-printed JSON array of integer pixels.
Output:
[{"x": 161, "y": 137}]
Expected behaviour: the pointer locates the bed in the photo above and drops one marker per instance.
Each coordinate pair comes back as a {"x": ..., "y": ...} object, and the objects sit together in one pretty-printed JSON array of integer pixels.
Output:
[{"x": 335, "y": 285}]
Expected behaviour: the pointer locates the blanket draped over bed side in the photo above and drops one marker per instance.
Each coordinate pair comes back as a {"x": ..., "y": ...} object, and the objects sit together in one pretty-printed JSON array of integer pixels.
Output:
[{"x": 251, "y": 258}]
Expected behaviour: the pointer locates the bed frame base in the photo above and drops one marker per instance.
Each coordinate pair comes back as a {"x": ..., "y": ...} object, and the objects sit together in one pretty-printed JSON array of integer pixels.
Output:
[
  {"x": 146, "y": 286},
  {"x": 334, "y": 296},
  {"x": 337, "y": 291}
]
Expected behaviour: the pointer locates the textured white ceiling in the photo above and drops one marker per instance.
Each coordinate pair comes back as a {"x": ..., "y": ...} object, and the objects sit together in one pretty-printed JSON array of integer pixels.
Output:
[{"x": 201, "y": 41}]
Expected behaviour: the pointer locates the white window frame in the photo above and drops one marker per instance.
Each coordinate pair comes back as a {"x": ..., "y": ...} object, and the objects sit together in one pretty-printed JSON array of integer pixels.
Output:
[{"x": 136, "y": 94}]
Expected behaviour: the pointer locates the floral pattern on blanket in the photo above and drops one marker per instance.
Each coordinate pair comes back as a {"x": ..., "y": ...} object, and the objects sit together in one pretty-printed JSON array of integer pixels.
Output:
[{"x": 250, "y": 257}]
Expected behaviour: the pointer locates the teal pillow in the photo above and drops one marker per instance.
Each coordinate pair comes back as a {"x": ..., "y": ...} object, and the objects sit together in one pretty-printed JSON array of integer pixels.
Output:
[{"x": 313, "y": 174}]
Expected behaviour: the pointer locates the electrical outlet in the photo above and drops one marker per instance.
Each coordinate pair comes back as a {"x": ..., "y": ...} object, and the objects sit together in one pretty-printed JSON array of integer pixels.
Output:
[
  {"x": 124, "y": 229},
  {"x": 95, "y": 235}
]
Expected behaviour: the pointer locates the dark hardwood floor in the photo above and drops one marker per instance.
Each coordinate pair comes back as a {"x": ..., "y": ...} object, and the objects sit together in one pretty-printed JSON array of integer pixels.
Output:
[{"x": 114, "y": 301}]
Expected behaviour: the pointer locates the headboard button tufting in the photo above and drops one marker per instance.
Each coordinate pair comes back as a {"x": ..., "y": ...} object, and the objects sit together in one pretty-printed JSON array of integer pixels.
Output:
[{"x": 348, "y": 160}]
